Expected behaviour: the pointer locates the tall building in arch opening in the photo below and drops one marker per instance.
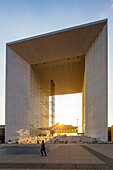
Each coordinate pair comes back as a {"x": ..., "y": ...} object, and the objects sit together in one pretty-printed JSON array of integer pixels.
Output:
[{"x": 68, "y": 61}]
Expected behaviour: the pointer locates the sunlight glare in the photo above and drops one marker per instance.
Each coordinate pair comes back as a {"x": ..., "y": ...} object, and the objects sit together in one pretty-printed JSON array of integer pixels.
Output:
[{"x": 68, "y": 109}]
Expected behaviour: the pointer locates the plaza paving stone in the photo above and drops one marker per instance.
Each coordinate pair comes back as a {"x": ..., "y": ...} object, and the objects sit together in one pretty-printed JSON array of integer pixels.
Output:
[{"x": 59, "y": 156}]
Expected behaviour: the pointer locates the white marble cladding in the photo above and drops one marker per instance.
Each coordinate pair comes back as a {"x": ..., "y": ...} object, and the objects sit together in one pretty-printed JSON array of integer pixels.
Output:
[
  {"x": 39, "y": 105},
  {"x": 17, "y": 96},
  {"x": 96, "y": 93}
]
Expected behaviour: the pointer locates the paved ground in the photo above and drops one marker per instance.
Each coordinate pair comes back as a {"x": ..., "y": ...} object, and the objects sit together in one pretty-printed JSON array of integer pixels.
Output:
[{"x": 59, "y": 156}]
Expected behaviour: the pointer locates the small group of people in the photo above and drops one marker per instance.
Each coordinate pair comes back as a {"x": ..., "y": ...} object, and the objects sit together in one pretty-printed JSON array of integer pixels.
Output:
[{"x": 43, "y": 149}]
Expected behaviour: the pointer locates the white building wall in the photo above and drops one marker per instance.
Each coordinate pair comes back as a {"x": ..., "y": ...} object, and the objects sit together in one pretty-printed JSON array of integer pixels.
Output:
[
  {"x": 96, "y": 93},
  {"x": 17, "y": 96}
]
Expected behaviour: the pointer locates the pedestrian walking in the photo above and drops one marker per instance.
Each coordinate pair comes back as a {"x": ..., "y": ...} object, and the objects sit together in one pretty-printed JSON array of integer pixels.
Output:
[{"x": 43, "y": 149}]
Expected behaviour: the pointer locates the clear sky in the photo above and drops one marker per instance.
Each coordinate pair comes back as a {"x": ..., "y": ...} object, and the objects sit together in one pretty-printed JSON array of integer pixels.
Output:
[{"x": 24, "y": 18}]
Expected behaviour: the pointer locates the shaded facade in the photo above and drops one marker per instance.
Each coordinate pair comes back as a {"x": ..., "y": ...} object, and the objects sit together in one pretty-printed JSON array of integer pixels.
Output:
[
  {"x": 75, "y": 60},
  {"x": 109, "y": 134},
  {"x": 2, "y": 134}
]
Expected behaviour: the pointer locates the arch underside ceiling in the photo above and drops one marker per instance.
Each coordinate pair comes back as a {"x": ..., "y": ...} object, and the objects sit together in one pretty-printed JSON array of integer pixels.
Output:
[{"x": 60, "y": 56}]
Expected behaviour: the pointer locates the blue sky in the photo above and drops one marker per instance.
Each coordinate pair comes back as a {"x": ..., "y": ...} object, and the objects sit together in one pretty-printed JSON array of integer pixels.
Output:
[{"x": 25, "y": 18}]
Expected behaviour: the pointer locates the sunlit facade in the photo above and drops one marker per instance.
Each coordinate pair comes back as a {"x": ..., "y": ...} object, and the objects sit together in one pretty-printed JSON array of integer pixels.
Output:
[{"x": 68, "y": 61}]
